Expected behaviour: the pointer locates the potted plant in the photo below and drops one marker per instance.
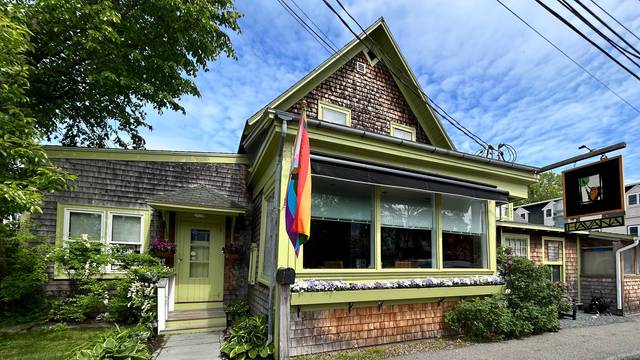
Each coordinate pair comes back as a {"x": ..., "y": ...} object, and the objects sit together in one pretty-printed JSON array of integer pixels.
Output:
[
  {"x": 233, "y": 251},
  {"x": 163, "y": 249}
]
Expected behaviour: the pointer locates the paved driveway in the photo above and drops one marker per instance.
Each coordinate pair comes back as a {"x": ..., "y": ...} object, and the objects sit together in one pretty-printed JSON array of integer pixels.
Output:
[{"x": 614, "y": 341}]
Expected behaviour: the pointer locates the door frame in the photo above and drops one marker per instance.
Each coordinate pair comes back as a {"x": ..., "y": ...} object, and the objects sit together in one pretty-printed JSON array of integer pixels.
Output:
[{"x": 216, "y": 224}]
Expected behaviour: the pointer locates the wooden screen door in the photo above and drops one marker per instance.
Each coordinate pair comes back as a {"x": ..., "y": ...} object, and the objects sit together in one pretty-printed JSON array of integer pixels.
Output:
[{"x": 200, "y": 262}]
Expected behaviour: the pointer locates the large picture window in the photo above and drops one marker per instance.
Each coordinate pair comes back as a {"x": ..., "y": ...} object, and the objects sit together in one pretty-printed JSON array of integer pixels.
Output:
[
  {"x": 407, "y": 234},
  {"x": 464, "y": 237},
  {"x": 341, "y": 225}
]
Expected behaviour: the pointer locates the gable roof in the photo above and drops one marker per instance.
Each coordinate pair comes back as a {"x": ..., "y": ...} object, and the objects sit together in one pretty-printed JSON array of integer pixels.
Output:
[{"x": 384, "y": 42}]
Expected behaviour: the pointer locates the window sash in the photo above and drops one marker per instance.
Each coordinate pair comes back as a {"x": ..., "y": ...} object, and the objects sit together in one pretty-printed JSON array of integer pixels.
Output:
[
  {"x": 633, "y": 230},
  {"x": 518, "y": 245},
  {"x": 139, "y": 232},
  {"x": 632, "y": 199},
  {"x": 67, "y": 223}
]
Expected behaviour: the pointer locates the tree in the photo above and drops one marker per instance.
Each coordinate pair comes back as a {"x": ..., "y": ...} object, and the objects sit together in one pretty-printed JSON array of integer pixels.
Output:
[
  {"x": 25, "y": 170},
  {"x": 549, "y": 187},
  {"x": 97, "y": 65}
]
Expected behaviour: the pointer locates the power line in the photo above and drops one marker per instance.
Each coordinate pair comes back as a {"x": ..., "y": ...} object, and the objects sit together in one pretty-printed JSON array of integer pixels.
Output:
[
  {"x": 442, "y": 113},
  {"x": 568, "y": 24},
  {"x": 307, "y": 28},
  {"x": 569, "y": 57},
  {"x": 614, "y": 44},
  {"x": 315, "y": 25},
  {"x": 614, "y": 19}
]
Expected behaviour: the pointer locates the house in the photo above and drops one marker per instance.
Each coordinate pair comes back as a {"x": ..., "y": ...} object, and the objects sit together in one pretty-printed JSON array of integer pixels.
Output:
[
  {"x": 587, "y": 259},
  {"x": 393, "y": 200}
]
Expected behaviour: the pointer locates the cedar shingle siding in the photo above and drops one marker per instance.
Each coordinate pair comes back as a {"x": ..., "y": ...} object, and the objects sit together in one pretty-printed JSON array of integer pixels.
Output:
[
  {"x": 128, "y": 184},
  {"x": 374, "y": 98}
]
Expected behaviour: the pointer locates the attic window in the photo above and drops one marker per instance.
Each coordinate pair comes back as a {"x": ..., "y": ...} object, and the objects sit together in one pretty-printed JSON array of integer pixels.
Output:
[
  {"x": 403, "y": 132},
  {"x": 360, "y": 67},
  {"x": 334, "y": 113},
  {"x": 371, "y": 56}
]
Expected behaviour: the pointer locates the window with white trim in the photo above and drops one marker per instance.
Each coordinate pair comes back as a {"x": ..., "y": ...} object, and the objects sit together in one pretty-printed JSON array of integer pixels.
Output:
[
  {"x": 334, "y": 113},
  {"x": 548, "y": 213},
  {"x": 518, "y": 244},
  {"x": 633, "y": 230},
  {"x": 115, "y": 228},
  {"x": 632, "y": 199}
]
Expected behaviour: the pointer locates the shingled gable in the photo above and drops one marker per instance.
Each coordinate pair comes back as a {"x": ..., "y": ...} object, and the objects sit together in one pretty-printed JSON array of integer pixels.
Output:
[
  {"x": 432, "y": 130},
  {"x": 197, "y": 197}
]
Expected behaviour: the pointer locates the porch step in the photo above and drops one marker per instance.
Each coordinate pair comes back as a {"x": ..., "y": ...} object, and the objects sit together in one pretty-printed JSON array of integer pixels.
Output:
[{"x": 190, "y": 321}]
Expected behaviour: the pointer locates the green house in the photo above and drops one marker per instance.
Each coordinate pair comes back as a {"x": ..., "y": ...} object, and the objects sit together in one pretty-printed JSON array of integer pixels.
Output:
[{"x": 403, "y": 224}]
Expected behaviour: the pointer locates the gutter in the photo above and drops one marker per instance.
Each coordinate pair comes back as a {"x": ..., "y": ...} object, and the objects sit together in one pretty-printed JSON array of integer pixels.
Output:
[
  {"x": 636, "y": 241},
  {"x": 287, "y": 116}
]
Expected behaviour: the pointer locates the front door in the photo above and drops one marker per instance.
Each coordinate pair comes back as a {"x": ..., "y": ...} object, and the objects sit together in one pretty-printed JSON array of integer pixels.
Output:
[{"x": 200, "y": 262}]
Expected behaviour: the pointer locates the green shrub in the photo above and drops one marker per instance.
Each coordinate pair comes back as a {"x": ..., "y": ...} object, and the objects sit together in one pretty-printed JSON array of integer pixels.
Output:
[
  {"x": 236, "y": 311},
  {"x": 247, "y": 339},
  {"x": 118, "y": 344},
  {"x": 23, "y": 271},
  {"x": 529, "y": 305}
]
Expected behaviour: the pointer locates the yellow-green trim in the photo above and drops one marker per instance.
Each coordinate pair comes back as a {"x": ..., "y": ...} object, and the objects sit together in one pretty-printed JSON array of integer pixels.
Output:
[
  {"x": 407, "y": 128},
  {"x": 59, "y": 152},
  {"x": 263, "y": 232},
  {"x": 517, "y": 236},
  {"x": 190, "y": 208},
  {"x": 327, "y": 105},
  {"x": 60, "y": 211},
  {"x": 561, "y": 262},
  {"x": 337, "y": 297},
  {"x": 253, "y": 260},
  {"x": 371, "y": 62}
]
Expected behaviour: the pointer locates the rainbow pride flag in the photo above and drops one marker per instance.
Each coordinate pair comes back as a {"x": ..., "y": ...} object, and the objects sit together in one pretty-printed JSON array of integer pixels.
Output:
[{"x": 298, "y": 201}]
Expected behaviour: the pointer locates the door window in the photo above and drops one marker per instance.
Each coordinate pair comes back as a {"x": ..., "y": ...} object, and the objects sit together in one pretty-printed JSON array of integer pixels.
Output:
[{"x": 199, "y": 253}]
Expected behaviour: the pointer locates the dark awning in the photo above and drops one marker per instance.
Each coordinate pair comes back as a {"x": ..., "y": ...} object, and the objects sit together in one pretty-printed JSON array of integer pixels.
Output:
[{"x": 382, "y": 175}]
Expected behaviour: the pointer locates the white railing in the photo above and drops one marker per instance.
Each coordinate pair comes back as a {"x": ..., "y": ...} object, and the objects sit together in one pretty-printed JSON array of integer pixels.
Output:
[{"x": 166, "y": 300}]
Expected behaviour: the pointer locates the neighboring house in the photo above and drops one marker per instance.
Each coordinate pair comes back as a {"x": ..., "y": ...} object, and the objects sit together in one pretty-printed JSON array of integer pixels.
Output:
[
  {"x": 392, "y": 200},
  {"x": 547, "y": 212}
]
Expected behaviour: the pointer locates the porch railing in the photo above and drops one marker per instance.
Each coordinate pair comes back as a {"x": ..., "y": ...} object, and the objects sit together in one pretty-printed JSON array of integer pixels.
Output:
[{"x": 166, "y": 300}]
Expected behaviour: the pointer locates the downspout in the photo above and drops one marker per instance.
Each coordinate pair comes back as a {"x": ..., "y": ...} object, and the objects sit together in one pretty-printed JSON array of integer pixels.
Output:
[
  {"x": 636, "y": 240},
  {"x": 276, "y": 195}
]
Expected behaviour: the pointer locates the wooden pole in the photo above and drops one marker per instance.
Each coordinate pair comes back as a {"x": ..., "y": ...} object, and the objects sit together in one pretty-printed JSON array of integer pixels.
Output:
[{"x": 284, "y": 291}]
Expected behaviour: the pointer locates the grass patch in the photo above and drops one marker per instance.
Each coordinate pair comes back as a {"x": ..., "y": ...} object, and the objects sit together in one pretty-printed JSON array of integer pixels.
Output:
[
  {"x": 387, "y": 351},
  {"x": 44, "y": 344}
]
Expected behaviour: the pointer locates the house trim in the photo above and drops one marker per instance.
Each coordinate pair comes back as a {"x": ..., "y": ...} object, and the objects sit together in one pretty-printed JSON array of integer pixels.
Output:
[
  {"x": 559, "y": 262},
  {"x": 61, "y": 152}
]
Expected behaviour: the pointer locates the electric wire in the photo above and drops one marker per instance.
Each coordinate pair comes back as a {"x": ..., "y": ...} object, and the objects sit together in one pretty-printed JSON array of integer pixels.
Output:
[
  {"x": 307, "y": 28},
  {"x": 569, "y": 57},
  {"x": 614, "y": 19},
  {"x": 585, "y": 37},
  {"x": 336, "y": 47}
]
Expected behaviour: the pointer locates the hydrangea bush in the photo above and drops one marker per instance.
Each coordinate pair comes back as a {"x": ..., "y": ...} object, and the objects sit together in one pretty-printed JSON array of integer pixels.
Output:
[{"x": 338, "y": 285}]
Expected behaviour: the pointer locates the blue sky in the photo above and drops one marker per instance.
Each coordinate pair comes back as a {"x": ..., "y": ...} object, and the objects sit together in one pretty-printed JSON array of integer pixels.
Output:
[{"x": 473, "y": 58}]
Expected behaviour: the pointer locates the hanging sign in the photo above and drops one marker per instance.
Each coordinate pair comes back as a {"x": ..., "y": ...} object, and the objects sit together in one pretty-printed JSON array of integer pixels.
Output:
[{"x": 594, "y": 189}]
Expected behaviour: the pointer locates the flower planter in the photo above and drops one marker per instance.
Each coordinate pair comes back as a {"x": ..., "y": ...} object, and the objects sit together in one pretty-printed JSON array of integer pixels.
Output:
[
  {"x": 232, "y": 256},
  {"x": 166, "y": 256}
]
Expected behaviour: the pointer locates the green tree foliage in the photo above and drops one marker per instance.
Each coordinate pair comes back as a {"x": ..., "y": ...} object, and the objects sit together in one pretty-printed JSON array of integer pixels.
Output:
[
  {"x": 25, "y": 170},
  {"x": 549, "y": 187},
  {"x": 97, "y": 65}
]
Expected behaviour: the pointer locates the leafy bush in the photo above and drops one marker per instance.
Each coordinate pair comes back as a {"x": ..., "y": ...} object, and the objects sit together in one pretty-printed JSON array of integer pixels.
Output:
[
  {"x": 23, "y": 270},
  {"x": 529, "y": 305},
  {"x": 236, "y": 311},
  {"x": 118, "y": 344},
  {"x": 128, "y": 300},
  {"x": 247, "y": 338}
]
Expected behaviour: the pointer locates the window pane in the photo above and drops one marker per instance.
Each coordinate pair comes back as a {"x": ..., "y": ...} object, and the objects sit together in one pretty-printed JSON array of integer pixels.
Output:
[
  {"x": 85, "y": 224},
  {"x": 629, "y": 265},
  {"x": 402, "y": 134},
  {"x": 553, "y": 250},
  {"x": 632, "y": 199},
  {"x": 334, "y": 116},
  {"x": 518, "y": 246},
  {"x": 547, "y": 213},
  {"x": 464, "y": 240},
  {"x": 126, "y": 229},
  {"x": 633, "y": 230},
  {"x": 556, "y": 273},
  {"x": 598, "y": 262},
  {"x": 268, "y": 267},
  {"x": 340, "y": 225},
  {"x": 406, "y": 229},
  {"x": 341, "y": 200},
  {"x": 199, "y": 253}
]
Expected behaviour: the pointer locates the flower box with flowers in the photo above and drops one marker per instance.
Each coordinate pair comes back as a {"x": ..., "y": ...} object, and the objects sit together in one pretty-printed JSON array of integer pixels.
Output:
[
  {"x": 163, "y": 249},
  {"x": 324, "y": 291}
]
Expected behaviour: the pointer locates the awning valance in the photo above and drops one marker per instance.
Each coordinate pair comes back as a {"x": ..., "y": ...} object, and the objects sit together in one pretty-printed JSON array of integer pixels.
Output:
[{"x": 323, "y": 165}]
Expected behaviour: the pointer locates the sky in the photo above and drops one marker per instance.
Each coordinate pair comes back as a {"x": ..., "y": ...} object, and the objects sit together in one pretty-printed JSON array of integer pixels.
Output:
[{"x": 473, "y": 58}]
